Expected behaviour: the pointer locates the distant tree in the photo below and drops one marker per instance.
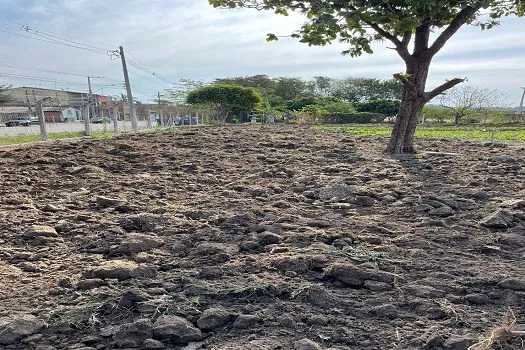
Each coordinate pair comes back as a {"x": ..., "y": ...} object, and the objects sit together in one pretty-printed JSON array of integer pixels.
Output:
[
  {"x": 406, "y": 24},
  {"x": 265, "y": 85},
  {"x": 224, "y": 100},
  {"x": 178, "y": 95},
  {"x": 5, "y": 97},
  {"x": 364, "y": 89},
  {"x": 290, "y": 88},
  {"x": 468, "y": 100},
  {"x": 384, "y": 107},
  {"x": 321, "y": 86}
]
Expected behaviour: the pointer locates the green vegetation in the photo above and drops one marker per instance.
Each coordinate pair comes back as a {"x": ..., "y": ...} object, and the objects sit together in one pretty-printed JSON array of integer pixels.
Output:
[
  {"x": 225, "y": 100},
  {"x": 416, "y": 29},
  {"x": 439, "y": 132},
  {"x": 18, "y": 139}
]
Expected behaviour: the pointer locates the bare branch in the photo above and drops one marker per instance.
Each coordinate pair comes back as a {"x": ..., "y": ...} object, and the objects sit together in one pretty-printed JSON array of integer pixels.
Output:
[
  {"x": 462, "y": 17},
  {"x": 442, "y": 88},
  {"x": 384, "y": 33}
]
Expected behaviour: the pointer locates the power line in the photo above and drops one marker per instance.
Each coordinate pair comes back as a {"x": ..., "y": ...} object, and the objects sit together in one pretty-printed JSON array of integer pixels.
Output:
[
  {"x": 18, "y": 66},
  {"x": 134, "y": 62},
  {"x": 54, "y": 42}
]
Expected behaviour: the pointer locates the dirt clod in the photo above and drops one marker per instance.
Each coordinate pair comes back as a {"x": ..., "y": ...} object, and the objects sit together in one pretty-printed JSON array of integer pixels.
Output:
[{"x": 267, "y": 224}]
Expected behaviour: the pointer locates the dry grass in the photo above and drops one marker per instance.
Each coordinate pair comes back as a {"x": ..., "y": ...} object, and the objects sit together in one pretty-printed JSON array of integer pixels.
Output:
[{"x": 500, "y": 335}]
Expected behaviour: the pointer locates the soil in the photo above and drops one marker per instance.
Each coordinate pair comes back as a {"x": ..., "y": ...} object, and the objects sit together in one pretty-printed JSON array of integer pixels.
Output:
[{"x": 250, "y": 238}]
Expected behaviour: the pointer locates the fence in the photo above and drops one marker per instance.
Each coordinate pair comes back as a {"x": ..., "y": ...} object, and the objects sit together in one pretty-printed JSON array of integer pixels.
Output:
[{"x": 48, "y": 119}]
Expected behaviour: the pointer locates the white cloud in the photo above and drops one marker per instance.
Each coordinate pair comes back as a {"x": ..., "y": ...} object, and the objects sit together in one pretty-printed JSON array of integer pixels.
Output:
[{"x": 191, "y": 39}]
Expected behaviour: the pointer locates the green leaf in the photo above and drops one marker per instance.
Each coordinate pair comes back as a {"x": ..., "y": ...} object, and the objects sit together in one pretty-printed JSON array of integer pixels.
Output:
[{"x": 271, "y": 37}]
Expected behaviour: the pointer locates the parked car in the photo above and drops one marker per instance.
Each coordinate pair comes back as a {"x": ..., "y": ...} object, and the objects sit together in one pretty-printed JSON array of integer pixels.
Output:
[
  {"x": 34, "y": 120},
  {"x": 98, "y": 120},
  {"x": 26, "y": 121},
  {"x": 186, "y": 121}
]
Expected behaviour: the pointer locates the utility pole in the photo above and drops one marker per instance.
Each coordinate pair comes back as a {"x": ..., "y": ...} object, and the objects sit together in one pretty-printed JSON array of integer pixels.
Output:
[
  {"x": 132, "y": 115},
  {"x": 160, "y": 111},
  {"x": 90, "y": 98},
  {"x": 91, "y": 102}
]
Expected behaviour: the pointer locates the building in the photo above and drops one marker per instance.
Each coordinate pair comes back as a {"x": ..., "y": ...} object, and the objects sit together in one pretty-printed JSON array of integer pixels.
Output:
[{"x": 62, "y": 105}]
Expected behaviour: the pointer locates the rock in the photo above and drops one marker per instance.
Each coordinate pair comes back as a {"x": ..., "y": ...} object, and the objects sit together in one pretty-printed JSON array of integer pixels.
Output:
[
  {"x": 248, "y": 246},
  {"x": 107, "y": 331},
  {"x": 501, "y": 219},
  {"x": 90, "y": 283},
  {"x": 51, "y": 208},
  {"x": 341, "y": 243},
  {"x": 211, "y": 272},
  {"x": 512, "y": 284},
  {"x": 433, "y": 340},
  {"x": 364, "y": 201},
  {"x": 176, "y": 329},
  {"x": 355, "y": 276},
  {"x": 40, "y": 231},
  {"x": 121, "y": 270},
  {"x": 133, "y": 334},
  {"x": 387, "y": 310},
  {"x": 21, "y": 327},
  {"x": 503, "y": 159},
  {"x": 513, "y": 204},
  {"x": 443, "y": 211},
  {"x": 459, "y": 342},
  {"x": 318, "y": 223},
  {"x": 306, "y": 344},
  {"x": 62, "y": 226},
  {"x": 424, "y": 291},
  {"x": 319, "y": 296},
  {"x": 246, "y": 321},
  {"x": 135, "y": 243},
  {"x": 337, "y": 191},
  {"x": 267, "y": 238},
  {"x": 152, "y": 344},
  {"x": 131, "y": 297},
  {"x": 478, "y": 299},
  {"x": 214, "y": 318},
  {"x": 107, "y": 202}
]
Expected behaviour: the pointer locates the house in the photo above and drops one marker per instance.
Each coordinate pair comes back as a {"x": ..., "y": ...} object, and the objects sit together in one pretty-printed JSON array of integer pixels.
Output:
[
  {"x": 71, "y": 114},
  {"x": 62, "y": 105},
  {"x": 13, "y": 112}
]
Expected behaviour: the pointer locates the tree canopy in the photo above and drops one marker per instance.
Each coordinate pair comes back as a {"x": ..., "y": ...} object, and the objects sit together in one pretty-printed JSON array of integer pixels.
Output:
[
  {"x": 226, "y": 99},
  {"x": 5, "y": 97}
]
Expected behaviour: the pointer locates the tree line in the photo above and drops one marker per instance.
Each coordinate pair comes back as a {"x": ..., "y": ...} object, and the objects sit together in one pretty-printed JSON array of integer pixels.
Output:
[{"x": 350, "y": 99}]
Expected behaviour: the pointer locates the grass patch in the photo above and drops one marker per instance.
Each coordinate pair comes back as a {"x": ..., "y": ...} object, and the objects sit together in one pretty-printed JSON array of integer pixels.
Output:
[
  {"x": 435, "y": 132},
  {"x": 18, "y": 139}
]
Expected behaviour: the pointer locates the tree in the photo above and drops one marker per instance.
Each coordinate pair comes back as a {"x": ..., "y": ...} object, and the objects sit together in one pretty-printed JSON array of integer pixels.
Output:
[
  {"x": 381, "y": 106},
  {"x": 178, "y": 95},
  {"x": 364, "y": 89},
  {"x": 291, "y": 88},
  {"x": 265, "y": 85},
  {"x": 321, "y": 86},
  {"x": 467, "y": 100},
  {"x": 5, "y": 97},
  {"x": 407, "y": 24},
  {"x": 224, "y": 99}
]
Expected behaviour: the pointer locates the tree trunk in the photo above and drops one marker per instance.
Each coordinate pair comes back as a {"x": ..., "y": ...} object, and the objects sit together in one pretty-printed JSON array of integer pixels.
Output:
[{"x": 402, "y": 138}]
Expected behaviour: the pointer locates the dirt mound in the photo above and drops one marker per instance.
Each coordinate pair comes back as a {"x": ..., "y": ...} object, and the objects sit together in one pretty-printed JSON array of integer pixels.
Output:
[{"x": 250, "y": 238}]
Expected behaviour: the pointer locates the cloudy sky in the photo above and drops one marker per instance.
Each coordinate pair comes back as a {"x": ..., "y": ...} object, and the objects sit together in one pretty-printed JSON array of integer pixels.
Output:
[{"x": 189, "y": 39}]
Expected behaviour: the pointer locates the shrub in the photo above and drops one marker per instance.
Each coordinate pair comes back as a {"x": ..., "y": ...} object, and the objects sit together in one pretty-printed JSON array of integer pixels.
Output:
[
  {"x": 354, "y": 118},
  {"x": 381, "y": 106}
]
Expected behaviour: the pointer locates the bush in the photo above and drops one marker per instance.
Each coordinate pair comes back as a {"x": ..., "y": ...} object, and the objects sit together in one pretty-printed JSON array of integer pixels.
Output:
[
  {"x": 354, "y": 118},
  {"x": 382, "y": 106}
]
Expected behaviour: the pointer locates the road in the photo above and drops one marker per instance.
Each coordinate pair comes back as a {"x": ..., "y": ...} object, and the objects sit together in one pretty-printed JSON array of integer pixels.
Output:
[{"x": 65, "y": 127}]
